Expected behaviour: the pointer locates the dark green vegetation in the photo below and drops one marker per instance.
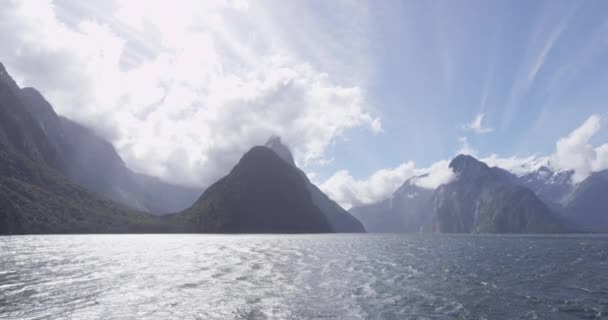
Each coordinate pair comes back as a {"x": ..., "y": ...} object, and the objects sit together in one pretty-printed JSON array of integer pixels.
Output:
[{"x": 35, "y": 198}]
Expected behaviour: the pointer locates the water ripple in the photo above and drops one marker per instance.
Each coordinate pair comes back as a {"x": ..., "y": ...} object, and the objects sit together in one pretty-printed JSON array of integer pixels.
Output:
[{"x": 303, "y": 277}]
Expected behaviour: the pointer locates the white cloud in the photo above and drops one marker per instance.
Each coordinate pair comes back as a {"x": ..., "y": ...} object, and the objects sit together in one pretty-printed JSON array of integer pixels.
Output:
[
  {"x": 437, "y": 174},
  {"x": 550, "y": 26},
  {"x": 516, "y": 164},
  {"x": 575, "y": 152},
  {"x": 214, "y": 79},
  {"x": 601, "y": 160},
  {"x": 343, "y": 188},
  {"x": 477, "y": 125}
]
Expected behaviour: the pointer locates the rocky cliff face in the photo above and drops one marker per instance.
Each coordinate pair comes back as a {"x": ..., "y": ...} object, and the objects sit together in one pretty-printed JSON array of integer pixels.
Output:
[
  {"x": 485, "y": 200},
  {"x": 480, "y": 200},
  {"x": 550, "y": 186}
]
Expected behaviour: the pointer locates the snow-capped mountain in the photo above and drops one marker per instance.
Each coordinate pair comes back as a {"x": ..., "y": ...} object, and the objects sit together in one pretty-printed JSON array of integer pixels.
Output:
[
  {"x": 485, "y": 199},
  {"x": 549, "y": 185},
  {"x": 584, "y": 204},
  {"x": 537, "y": 173}
]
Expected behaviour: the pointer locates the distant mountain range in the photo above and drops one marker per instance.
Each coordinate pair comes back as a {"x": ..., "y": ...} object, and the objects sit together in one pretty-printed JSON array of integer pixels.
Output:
[
  {"x": 58, "y": 176},
  {"x": 405, "y": 211},
  {"x": 485, "y": 199}
]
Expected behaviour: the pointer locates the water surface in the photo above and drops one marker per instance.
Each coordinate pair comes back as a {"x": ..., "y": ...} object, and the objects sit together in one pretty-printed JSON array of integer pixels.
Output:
[{"x": 303, "y": 277}]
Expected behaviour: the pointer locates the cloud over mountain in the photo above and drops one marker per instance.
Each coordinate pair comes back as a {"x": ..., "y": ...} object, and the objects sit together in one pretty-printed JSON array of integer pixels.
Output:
[
  {"x": 575, "y": 151},
  {"x": 349, "y": 191},
  {"x": 182, "y": 95},
  {"x": 180, "y": 98}
]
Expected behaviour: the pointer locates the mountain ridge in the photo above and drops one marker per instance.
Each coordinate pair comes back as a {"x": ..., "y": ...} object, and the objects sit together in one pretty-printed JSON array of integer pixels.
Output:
[
  {"x": 481, "y": 199},
  {"x": 58, "y": 176},
  {"x": 94, "y": 163}
]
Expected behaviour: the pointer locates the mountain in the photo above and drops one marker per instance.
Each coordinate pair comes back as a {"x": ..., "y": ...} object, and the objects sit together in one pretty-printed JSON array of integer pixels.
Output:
[
  {"x": 19, "y": 129},
  {"x": 274, "y": 143},
  {"x": 341, "y": 220},
  {"x": 480, "y": 200},
  {"x": 37, "y": 199},
  {"x": 486, "y": 200},
  {"x": 35, "y": 196},
  {"x": 92, "y": 162},
  {"x": 45, "y": 158},
  {"x": 583, "y": 204},
  {"x": 262, "y": 194},
  {"x": 405, "y": 211},
  {"x": 587, "y": 204},
  {"x": 549, "y": 185}
]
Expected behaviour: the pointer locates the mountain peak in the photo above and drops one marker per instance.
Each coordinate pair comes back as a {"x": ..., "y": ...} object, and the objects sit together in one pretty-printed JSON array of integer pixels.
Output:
[
  {"x": 464, "y": 162},
  {"x": 5, "y": 77},
  {"x": 274, "y": 143},
  {"x": 258, "y": 153},
  {"x": 261, "y": 194},
  {"x": 338, "y": 218},
  {"x": 32, "y": 91}
]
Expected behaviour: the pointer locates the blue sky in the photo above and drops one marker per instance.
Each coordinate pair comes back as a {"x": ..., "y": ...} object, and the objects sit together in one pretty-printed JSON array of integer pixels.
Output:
[
  {"x": 366, "y": 94},
  {"x": 536, "y": 70}
]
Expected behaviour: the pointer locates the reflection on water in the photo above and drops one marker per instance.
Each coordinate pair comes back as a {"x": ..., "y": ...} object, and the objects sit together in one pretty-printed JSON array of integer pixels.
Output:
[{"x": 303, "y": 277}]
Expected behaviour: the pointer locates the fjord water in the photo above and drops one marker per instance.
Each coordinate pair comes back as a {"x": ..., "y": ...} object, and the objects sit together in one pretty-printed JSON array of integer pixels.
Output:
[{"x": 303, "y": 277}]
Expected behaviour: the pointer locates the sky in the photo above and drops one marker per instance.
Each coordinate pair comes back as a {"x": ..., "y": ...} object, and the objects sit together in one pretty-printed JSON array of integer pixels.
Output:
[{"x": 366, "y": 94}]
